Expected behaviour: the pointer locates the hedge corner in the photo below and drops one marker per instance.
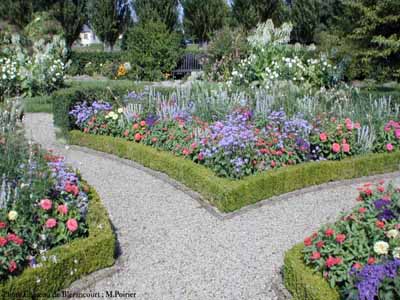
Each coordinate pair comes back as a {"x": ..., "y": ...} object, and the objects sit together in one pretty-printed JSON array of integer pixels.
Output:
[
  {"x": 302, "y": 282},
  {"x": 63, "y": 265}
]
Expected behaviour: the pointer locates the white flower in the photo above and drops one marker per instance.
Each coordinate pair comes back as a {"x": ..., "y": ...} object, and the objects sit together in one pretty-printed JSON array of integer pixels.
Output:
[
  {"x": 120, "y": 110},
  {"x": 381, "y": 248},
  {"x": 392, "y": 234},
  {"x": 396, "y": 252},
  {"x": 12, "y": 215}
]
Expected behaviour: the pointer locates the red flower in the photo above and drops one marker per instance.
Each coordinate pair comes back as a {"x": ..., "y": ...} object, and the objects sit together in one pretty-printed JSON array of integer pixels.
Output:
[
  {"x": 340, "y": 238},
  {"x": 138, "y": 137},
  {"x": 323, "y": 137},
  {"x": 315, "y": 255},
  {"x": 3, "y": 241},
  {"x": 46, "y": 204},
  {"x": 72, "y": 225},
  {"x": 307, "y": 242},
  {"x": 12, "y": 266},
  {"x": 62, "y": 209},
  {"x": 357, "y": 266},
  {"x": 320, "y": 244},
  {"x": 332, "y": 261},
  {"x": 3, "y": 225},
  {"x": 143, "y": 123},
  {"x": 381, "y": 189},
  {"x": 72, "y": 189},
  {"x": 346, "y": 148},
  {"x": 15, "y": 239},
  {"x": 200, "y": 156},
  {"x": 329, "y": 232},
  {"x": 273, "y": 164},
  {"x": 380, "y": 224},
  {"x": 193, "y": 145},
  {"x": 371, "y": 260},
  {"x": 336, "y": 147},
  {"x": 362, "y": 210},
  {"x": 185, "y": 151}
]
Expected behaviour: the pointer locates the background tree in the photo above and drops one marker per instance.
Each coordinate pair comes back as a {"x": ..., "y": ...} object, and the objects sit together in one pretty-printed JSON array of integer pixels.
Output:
[
  {"x": 17, "y": 12},
  {"x": 251, "y": 12},
  {"x": 72, "y": 16},
  {"x": 165, "y": 11},
  {"x": 306, "y": 18},
  {"x": 109, "y": 19}
]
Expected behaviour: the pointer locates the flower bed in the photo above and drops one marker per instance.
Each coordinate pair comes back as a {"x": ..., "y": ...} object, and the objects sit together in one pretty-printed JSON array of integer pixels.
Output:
[
  {"x": 45, "y": 222},
  {"x": 358, "y": 257}
]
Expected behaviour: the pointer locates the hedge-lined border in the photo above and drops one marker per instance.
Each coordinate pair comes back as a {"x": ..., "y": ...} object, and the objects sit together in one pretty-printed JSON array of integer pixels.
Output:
[
  {"x": 72, "y": 261},
  {"x": 302, "y": 282},
  {"x": 229, "y": 195}
]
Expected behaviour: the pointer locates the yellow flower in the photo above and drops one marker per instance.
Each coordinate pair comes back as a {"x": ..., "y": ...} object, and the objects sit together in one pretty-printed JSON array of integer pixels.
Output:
[
  {"x": 121, "y": 71},
  {"x": 12, "y": 215},
  {"x": 381, "y": 248}
]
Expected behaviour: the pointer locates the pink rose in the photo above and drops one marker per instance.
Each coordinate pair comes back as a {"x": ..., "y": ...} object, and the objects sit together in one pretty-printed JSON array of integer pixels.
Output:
[
  {"x": 336, "y": 147},
  {"x": 340, "y": 238},
  {"x": 357, "y": 125},
  {"x": 349, "y": 126},
  {"x": 323, "y": 137},
  {"x": 62, "y": 209},
  {"x": 389, "y": 147},
  {"x": 72, "y": 225},
  {"x": 46, "y": 204},
  {"x": 51, "y": 223},
  {"x": 346, "y": 148}
]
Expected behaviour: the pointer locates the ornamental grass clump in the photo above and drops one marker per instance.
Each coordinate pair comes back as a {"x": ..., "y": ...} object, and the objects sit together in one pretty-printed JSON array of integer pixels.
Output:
[{"x": 360, "y": 253}]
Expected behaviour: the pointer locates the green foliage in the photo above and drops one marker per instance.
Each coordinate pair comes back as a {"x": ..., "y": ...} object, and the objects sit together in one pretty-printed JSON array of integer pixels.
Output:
[
  {"x": 229, "y": 195},
  {"x": 152, "y": 50},
  {"x": 302, "y": 281},
  {"x": 225, "y": 50},
  {"x": 81, "y": 257},
  {"x": 250, "y": 13},
  {"x": 369, "y": 32},
  {"x": 305, "y": 15},
  {"x": 18, "y": 12},
  {"x": 43, "y": 26},
  {"x": 109, "y": 19},
  {"x": 200, "y": 21},
  {"x": 99, "y": 60},
  {"x": 165, "y": 11},
  {"x": 38, "y": 104}
]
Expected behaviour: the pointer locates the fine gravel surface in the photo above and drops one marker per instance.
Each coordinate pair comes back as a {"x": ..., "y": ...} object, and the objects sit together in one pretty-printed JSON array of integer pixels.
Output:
[{"x": 173, "y": 248}]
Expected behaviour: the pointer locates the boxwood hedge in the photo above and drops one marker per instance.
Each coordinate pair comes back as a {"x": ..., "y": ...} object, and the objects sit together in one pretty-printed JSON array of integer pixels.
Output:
[
  {"x": 229, "y": 195},
  {"x": 302, "y": 281},
  {"x": 69, "y": 262}
]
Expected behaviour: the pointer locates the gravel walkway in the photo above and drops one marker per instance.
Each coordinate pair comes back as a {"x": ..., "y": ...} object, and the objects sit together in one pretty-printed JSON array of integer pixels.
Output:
[{"x": 172, "y": 248}]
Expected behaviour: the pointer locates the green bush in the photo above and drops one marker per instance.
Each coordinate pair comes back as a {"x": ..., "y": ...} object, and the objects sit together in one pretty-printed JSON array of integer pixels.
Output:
[
  {"x": 153, "y": 51},
  {"x": 65, "y": 99},
  {"x": 43, "y": 26},
  {"x": 65, "y": 264},
  {"x": 229, "y": 195},
  {"x": 302, "y": 281},
  {"x": 98, "y": 61},
  {"x": 38, "y": 104}
]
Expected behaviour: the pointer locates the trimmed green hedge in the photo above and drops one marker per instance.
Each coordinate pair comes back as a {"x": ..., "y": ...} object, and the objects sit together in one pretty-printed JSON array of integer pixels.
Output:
[
  {"x": 80, "y": 59},
  {"x": 80, "y": 257},
  {"x": 229, "y": 195},
  {"x": 302, "y": 281},
  {"x": 65, "y": 99},
  {"x": 38, "y": 104}
]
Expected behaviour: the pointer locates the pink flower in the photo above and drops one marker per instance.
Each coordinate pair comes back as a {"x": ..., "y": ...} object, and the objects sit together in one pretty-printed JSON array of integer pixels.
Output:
[
  {"x": 381, "y": 188},
  {"x": 397, "y": 133},
  {"x": 62, "y": 209},
  {"x": 15, "y": 239},
  {"x": 51, "y": 223},
  {"x": 340, "y": 238},
  {"x": 143, "y": 123},
  {"x": 3, "y": 241},
  {"x": 138, "y": 137},
  {"x": 46, "y": 204},
  {"x": 371, "y": 260},
  {"x": 357, "y": 125},
  {"x": 185, "y": 151},
  {"x": 357, "y": 266},
  {"x": 329, "y": 232},
  {"x": 323, "y": 137},
  {"x": 389, "y": 147},
  {"x": 332, "y": 261},
  {"x": 346, "y": 148},
  {"x": 135, "y": 126},
  {"x": 193, "y": 145},
  {"x": 349, "y": 126},
  {"x": 72, "y": 225},
  {"x": 12, "y": 266},
  {"x": 200, "y": 156},
  {"x": 362, "y": 210},
  {"x": 320, "y": 244},
  {"x": 315, "y": 256},
  {"x": 307, "y": 242},
  {"x": 336, "y": 147},
  {"x": 71, "y": 188}
]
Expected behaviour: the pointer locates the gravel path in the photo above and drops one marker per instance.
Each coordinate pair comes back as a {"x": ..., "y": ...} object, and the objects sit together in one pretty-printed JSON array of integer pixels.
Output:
[{"x": 172, "y": 248}]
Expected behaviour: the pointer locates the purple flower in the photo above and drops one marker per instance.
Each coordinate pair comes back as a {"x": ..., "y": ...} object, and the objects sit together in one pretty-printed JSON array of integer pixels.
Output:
[{"x": 381, "y": 203}]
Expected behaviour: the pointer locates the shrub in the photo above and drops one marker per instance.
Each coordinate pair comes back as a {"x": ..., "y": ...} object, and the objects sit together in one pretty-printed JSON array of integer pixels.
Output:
[
  {"x": 43, "y": 26},
  {"x": 153, "y": 51}
]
